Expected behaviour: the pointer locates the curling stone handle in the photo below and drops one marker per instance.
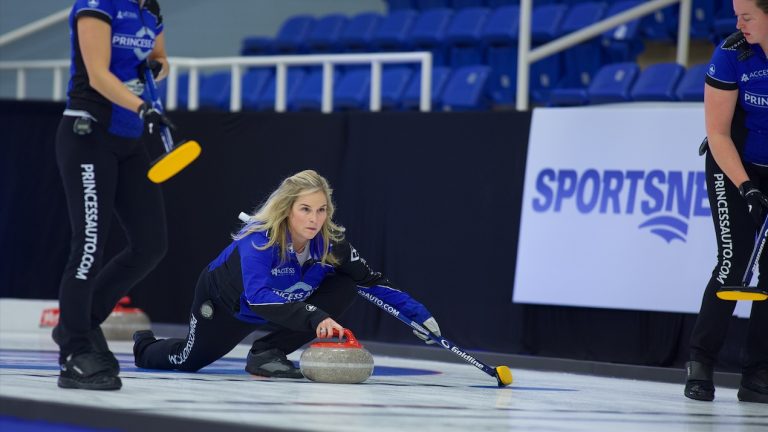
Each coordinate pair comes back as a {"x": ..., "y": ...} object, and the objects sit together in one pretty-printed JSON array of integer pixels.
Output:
[{"x": 351, "y": 339}]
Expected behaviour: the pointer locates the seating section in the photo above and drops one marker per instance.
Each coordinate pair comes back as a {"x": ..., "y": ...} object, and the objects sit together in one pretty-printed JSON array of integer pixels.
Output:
[
  {"x": 658, "y": 83},
  {"x": 474, "y": 44}
]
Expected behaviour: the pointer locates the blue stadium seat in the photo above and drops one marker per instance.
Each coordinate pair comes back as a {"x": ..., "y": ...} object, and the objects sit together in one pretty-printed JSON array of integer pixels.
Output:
[
  {"x": 466, "y": 90},
  {"x": 622, "y": 43},
  {"x": 582, "y": 61},
  {"x": 325, "y": 34},
  {"x": 546, "y": 21},
  {"x": 309, "y": 94},
  {"x": 394, "y": 81},
  {"x": 657, "y": 25},
  {"x": 691, "y": 87},
  {"x": 612, "y": 83},
  {"x": 463, "y": 36},
  {"x": 215, "y": 91},
  {"x": 392, "y": 32},
  {"x": 428, "y": 33},
  {"x": 412, "y": 95},
  {"x": 266, "y": 100},
  {"x": 254, "y": 82},
  {"x": 393, "y": 5},
  {"x": 500, "y": 36},
  {"x": 501, "y": 27},
  {"x": 256, "y": 45},
  {"x": 215, "y": 88},
  {"x": 356, "y": 36},
  {"x": 724, "y": 23},
  {"x": 499, "y": 3},
  {"x": 353, "y": 90},
  {"x": 702, "y": 19},
  {"x": 567, "y": 94},
  {"x": 460, "y": 4},
  {"x": 658, "y": 82},
  {"x": 291, "y": 38},
  {"x": 431, "y": 4}
]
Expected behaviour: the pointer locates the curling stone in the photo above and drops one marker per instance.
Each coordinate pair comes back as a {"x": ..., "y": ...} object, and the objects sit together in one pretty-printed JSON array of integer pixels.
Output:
[
  {"x": 337, "y": 362},
  {"x": 124, "y": 321}
]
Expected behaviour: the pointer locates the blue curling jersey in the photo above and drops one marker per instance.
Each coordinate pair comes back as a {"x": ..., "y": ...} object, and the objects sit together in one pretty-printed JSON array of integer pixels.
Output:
[
  {"x": 250, "y": 280},
  {"x": 738, "y": 65},
  {"x": 134, "y": 30}
]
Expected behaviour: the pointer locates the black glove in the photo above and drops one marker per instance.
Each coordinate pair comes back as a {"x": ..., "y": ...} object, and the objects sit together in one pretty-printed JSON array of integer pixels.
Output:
[
  {"x": 153, "y": 118},
  {"x": 153, "y": 65},
  {"x": 757, "y": 202}
]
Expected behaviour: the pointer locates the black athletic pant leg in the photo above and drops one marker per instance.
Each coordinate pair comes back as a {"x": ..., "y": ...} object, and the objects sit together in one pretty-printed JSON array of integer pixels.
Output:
[
  {"x": 208, "y": 339},
  {"x": 140, "y": 210},
  {"x": 88, "y": 169},
  {"x": 756, "y": 349},
  {"x": 334, "y": 295},
  {"x": 735, "y": 233}
]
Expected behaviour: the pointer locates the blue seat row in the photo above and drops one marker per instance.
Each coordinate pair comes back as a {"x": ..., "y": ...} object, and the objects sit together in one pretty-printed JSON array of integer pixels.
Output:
[
  {"x": 481, "y": 35},
  {"x": 371, "y": 31},
  {"x": 460, "y": 89},
  {"x": 625, "y": 82}
]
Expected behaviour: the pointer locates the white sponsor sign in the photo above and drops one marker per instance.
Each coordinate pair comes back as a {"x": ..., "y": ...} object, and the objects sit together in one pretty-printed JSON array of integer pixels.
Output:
[{"x": 615, "y": 211}]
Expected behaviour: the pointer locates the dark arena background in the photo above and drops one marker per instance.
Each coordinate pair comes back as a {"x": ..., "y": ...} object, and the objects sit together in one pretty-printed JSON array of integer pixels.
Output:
[{"x": 432, "y": 200}]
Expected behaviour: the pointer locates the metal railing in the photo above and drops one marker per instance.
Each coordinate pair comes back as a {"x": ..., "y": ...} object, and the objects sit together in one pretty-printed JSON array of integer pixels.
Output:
[
  {"x": 526, "y": 57},
  {"x": 281, "y": 64},
  {"x": 22, "y": 66},
  {"x": 34, "y": 26},
  {"x": 236, "y": 66}
]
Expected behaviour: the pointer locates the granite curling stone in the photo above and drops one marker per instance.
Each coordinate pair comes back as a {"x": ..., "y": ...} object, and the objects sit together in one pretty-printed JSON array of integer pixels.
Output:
[
  {"x": 124, "y": 321},
  {"x": 337, "y": 362}
]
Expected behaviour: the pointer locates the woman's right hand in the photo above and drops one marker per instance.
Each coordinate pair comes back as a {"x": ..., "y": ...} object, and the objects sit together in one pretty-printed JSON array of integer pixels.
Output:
[{"x": 325, "y": 329}]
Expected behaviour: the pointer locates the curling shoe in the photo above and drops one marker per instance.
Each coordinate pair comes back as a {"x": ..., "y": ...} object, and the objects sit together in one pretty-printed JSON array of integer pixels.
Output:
[
  {"x": 699, "y": 384},
  {"x": 141, "y": 339},
  {"x": 754, "y": 387},
  {"x": 271, "y": 363},
  {"x": 89, "y": 371},
  {"x": 98, "y": 342}
]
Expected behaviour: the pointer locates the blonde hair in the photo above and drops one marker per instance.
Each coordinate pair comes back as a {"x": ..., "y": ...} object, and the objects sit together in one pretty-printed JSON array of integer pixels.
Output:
[{"x": 272, "y": 216}]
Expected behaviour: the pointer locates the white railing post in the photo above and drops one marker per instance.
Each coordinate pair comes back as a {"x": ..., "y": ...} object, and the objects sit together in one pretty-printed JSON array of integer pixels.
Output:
[
  {"x": 194, "y": 86},
  {"x": 327, "y": 96},
  {"x": 280, "y": 79},
  {"x": 523, "y": 50},
  {"x": 21, "y": 84},
  {"x": 58, "y": 77},
  {"x": 425, "y": 94},
  {"x": 375, "y": 98},
  {"x": 684, "y": 32},
  {"x": 171, "y": 95},
  {"x": 236, "y": 90}
]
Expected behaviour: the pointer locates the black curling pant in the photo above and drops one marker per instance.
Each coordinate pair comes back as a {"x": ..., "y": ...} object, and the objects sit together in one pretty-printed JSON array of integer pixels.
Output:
[
  {"x": 104, "y": 174},
  {"x": 209, "y": 339},
  {"x": 735, "y": 232}
]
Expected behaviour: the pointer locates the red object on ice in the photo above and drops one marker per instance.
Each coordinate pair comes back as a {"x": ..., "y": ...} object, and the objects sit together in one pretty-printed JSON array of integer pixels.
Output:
[{"x": 350, "y": 343}]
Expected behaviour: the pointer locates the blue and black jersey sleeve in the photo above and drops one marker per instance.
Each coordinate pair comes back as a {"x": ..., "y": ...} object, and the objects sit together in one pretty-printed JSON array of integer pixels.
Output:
[
  {"x": 373, "y": 285},
  {"x": 722, "y": 72},
  {"x": 103, "y": 10}
]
